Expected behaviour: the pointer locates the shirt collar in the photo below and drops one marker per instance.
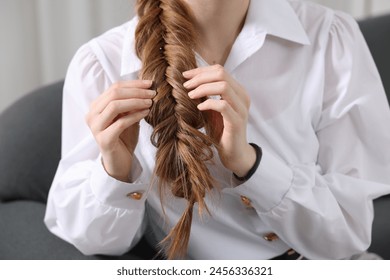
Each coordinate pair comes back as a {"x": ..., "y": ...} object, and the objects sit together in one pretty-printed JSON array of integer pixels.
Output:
[
  {"x": 273, "y": 17},
  {"x": 276, "y": 18}
]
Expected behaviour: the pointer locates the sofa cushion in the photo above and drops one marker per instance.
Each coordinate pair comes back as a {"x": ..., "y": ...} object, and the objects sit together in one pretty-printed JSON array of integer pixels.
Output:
[
  {"x": 25, "y": 236},
  {"x": 30, "y": 144}
]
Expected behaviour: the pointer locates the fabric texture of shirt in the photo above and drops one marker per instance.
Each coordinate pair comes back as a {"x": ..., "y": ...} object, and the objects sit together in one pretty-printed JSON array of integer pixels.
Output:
[{"x": 318, "y": 111}]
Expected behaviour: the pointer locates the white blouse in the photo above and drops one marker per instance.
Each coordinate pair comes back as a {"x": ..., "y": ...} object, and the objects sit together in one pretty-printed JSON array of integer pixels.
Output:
[{"x": 318, "y": 110}]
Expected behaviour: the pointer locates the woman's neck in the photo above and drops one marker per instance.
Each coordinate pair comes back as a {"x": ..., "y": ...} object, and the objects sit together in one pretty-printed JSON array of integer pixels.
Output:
[{"x": 218, "y": 23}]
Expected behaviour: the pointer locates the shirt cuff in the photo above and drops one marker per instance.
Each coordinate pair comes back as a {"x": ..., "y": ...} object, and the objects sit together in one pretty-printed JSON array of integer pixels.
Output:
[
  {"x": 268, "y": 186},
  {"x": 136, "y": 170},
  {"x": 116, "y": 193}
]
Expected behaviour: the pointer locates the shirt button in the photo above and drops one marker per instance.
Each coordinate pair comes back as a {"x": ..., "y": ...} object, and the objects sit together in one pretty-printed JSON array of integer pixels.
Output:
[
  {"x": 246, "y": 201},
  {"x": 135, "y": 195},
  {"x": 271, "y": 237},
  {"x": 291, "y": 252}
]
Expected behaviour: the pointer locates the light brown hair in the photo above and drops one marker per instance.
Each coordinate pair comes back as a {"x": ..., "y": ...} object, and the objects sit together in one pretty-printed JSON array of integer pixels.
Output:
[{"x": 165, "y": 39}]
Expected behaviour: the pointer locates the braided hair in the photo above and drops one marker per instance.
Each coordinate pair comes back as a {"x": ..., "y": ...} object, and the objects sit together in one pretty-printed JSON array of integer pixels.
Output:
[{"x": 165, "y": 38}]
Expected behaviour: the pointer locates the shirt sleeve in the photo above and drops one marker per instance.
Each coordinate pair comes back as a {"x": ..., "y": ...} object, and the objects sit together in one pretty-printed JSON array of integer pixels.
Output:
[
  {"x": 325, "y": 210},
  {"x": 86, "y": 207}
]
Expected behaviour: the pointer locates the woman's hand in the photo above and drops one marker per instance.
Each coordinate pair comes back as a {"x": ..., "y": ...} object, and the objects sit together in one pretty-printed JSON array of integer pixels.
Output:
[
  {"x": 114, "y": 121},
  {"x": 229, "y": 114}
]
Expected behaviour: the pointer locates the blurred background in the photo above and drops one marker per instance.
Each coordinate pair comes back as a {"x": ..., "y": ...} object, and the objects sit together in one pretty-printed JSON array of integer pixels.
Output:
[{"x": 39, "y": 37}]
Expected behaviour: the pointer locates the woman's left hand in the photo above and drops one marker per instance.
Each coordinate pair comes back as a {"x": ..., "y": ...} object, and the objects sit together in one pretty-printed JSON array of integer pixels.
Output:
[{"x": 229, "y": 114}]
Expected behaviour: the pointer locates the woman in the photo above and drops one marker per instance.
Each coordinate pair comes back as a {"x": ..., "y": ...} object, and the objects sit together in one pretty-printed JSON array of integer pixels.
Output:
[{"x": 223, "y": 130}]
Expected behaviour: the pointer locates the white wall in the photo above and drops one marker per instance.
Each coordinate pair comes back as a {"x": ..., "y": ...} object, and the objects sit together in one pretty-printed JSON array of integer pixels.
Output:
[
  {"x": 39, "y": 37},
  {"x": 358, "y": 8}
]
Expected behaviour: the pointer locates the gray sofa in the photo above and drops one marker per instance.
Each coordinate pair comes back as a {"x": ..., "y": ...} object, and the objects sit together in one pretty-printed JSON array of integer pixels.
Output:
[
  {"x": 30, "y": 145},
  {"x": 30, "y": 137}
]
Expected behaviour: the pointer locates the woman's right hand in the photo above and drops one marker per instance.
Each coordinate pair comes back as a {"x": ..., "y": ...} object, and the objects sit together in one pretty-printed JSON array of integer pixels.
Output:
[{"x": 114, "y": 121}]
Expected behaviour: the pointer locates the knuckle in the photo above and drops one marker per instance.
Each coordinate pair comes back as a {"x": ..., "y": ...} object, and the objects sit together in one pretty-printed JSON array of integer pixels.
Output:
[
  {"x": 147, "y": 102},
  {"x": 115, "y": 94},
  {"x": 116, "y": 85},
  {"x": 112, "y": 107},
  {"x": 91, "y": 123},
  {"x": 223, "y": 86},
  {"x": 221, "y": 73},
  {"x": 224, "y": 105},
  {"x": 94, "y": 129},
  {"x": 122, "y": 124},
  {"x": 92, "y": 107},
  {"x": 219, "y": 67}
]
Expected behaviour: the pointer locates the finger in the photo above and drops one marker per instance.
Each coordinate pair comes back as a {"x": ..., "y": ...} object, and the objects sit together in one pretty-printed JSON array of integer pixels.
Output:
[
  {"x": 196, "y": 71},
  {"x": 110, "y": 136},
  {"x": 230, "y": 117},
  {"x": 144, "y": 84},
  {"x": 116, "y": 108},
  {"x": 124, "y": 89},
  {"x": 222, "y": 89},
  {"x": 120, "y": 94},
  {"x": 214, "y": 73},
  {"x": 203, "y": 75},
  {"x": 120, "y": 89},
  {"x": 116, "y": 94}
]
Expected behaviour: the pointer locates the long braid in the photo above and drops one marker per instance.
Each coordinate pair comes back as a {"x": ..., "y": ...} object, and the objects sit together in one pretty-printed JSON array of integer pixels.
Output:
[{"x": 165, "y": 39}]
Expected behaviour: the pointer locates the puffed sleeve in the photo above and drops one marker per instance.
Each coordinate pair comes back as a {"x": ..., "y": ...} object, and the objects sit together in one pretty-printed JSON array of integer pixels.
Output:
[
  {"x": 325, "y": 210},
  {"x": 86, "y": 206}
]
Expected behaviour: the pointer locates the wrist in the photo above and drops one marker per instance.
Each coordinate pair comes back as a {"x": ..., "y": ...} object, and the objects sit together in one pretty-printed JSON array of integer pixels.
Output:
[
  {"x": 249, "y": 167},
  {"x": 117, "y": 171}
]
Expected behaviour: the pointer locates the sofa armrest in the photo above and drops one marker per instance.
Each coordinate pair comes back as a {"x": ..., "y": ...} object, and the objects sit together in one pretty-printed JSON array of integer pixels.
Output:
[{"x": 381, "y": 228}]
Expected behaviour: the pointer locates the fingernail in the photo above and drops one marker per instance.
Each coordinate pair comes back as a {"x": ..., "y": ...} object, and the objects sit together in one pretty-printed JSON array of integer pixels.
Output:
[
  {"x": 191, "y": 94},
  {"x": 147, "y": 82},
  {"x": 186, "y": 74},
  {"x": 187, "y": 84},
  {"x": 152, "y": 93}
]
